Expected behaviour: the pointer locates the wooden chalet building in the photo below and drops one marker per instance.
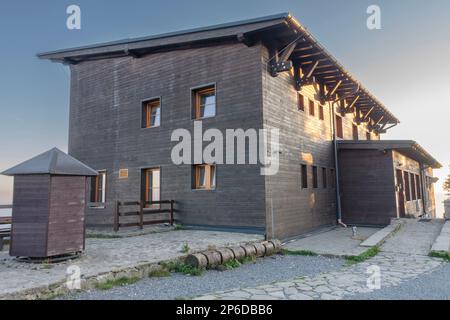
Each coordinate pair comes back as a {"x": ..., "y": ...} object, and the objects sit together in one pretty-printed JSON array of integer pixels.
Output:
[{"x": 127, "y": 97}]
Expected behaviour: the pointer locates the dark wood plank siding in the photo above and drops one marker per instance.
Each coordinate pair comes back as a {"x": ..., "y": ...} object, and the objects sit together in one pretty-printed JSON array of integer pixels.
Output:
[
  {"x": 304, "y": 139},
  {"x": 367, "y": 187},
  {"x": 66, "y": 216},
  {"x": 106, "y": 133},
  {"x": 30, "y": 215}
]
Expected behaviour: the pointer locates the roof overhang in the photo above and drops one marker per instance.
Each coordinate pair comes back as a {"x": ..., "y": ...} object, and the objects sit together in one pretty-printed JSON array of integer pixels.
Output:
[
  {"x": 409, "y": 148},
  {"x": 292, "y": 46}
]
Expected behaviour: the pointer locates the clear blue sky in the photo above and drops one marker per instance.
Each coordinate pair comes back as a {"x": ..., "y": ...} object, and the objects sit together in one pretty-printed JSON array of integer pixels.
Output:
[{"x": 405, "y": 64}]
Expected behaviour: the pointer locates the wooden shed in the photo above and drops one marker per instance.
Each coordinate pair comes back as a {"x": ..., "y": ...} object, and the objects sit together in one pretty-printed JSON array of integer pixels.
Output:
[{"x": 48, "y": 217}]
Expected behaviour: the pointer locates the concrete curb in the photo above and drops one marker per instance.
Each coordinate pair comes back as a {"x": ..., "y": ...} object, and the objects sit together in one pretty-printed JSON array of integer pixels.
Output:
[
  {"x": 442, "y": 242},
  {"x": 379, "y": 237}
]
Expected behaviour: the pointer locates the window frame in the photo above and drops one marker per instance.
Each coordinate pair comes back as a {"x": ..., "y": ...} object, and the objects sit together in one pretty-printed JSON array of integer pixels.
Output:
[
  {"x": 321, "y": 112},
  {"x": 418, "y": 187},
  {"x": 355, "y": 132},
  {"x": 312, "y": 108},
  {"x": 145, "y": 186},
  {"x": 209, "y": 186},
  {"x": 195, "y": 98},
  {"x": 368, "y": 136},
  {"x": 304, "y": 176},
  {"x": 407, "y": 186},
  {"x": 339, "y": 126},
  {"x": 95, "y": 196},
  {"x": 315, "y": 178},
  {"x": 146, "y": 115},
  {"x": 300, "y": 102},
  {"x": 324, "y": 178}
]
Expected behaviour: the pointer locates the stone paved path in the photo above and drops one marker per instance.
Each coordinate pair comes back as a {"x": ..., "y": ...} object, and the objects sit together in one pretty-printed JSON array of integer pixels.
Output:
[{"x": 399, "y": 260}]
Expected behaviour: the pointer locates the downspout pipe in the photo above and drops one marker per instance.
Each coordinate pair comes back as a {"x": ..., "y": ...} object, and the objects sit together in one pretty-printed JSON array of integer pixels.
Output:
[{"x": 336, "y": 165}]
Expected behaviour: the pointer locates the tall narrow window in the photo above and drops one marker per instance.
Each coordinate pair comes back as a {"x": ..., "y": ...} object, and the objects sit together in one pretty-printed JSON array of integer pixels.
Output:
[
  {"x": 151, "y": 186},
  {"x": 304, "y": 176},
  {"x": 407, "y": 186},
  {"x": 368, "y": 136},
  {"x": 339, "y": 129},
  {"x": 315, "y": 178},
  {"x": 355, "y": 132},
  {"x": 151, "y": 113},
  {"x": 324, "y": 178},
  {"x": 321, "y": 113},
  {"x": 204, "y": 102},
  {"x": 412, "y": 178},
  {"x": 333, "y": 178},
  {"x": 312, "y": 110},
  {"x": 418, "y": 187},
  {"x": 205, "y": 177},
  {"x": 301, "y": 102},
  {"x": 98, "y": 188}
]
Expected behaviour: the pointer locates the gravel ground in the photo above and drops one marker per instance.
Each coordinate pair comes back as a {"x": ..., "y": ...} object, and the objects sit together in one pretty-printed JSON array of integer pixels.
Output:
[
  {"x": 264, "y": 271},
  {"x": 433, "y": 286}
]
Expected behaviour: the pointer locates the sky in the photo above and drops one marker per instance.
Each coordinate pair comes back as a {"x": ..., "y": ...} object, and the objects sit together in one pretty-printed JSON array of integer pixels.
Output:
[{"x": 405, "y": 64}]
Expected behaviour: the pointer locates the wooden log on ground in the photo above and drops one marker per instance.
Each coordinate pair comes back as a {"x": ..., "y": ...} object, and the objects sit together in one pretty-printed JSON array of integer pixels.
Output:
[
  {"x": 214, "y": 258},
  {"x": 260, "y": 249},
  {"x": 277, "y": 244},
  {"x": 227, "y": 255},
  {"x": 239, "y": 252},
  {"x": 270, "y": 248},
  {"x": 249, "y": 249},
  {"x": 197, "y": 260}
]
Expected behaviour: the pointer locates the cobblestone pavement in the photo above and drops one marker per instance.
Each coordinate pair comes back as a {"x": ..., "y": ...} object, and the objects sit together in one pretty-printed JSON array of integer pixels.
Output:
[
  {"x": 106, "y": 255},
  {"x": 399, "y": 263}
]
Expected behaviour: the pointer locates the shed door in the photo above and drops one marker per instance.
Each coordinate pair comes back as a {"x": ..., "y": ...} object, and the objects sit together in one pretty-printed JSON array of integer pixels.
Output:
[{"x": 400, "y": 193}]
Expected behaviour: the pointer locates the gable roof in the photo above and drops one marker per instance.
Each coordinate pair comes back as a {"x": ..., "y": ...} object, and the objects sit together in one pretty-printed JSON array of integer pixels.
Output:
[
  {"x": 278, "y": 31},
  {"x": 54, "y": 162},
  {"x": 408, "y": 148}
]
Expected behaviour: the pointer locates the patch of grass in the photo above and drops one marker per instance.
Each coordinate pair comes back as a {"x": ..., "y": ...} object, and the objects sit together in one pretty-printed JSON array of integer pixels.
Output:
[
  {"x": 307, "y": 253},
  {"x": 180, "y": 267},
  {"x": 232, "y": 264},
  {"x": 124, "y": 281},
  {"x": 440, "y": 254},
  {"x": 370, "y": 253},
  {"x": 179, "y": 227},
  {"x": 185, "y": 248},
  {"x": 159, "y": 273},
  {"x": 250, "y": 259}
]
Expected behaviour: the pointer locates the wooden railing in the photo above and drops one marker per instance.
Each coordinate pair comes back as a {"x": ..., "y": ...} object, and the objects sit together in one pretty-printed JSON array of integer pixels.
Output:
[{"x": 141, "y": 209}]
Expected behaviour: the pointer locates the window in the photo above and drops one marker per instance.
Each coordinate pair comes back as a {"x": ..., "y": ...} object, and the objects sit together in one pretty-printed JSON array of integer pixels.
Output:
[
  {"x": 407, "y": 186},
  {"x": 321, "y": 113},
  {"x": 419, "y": 190},
  {"x": 312, "y": 110},
  {"x": 339, "y": 129},
  {"x": 324, "y": 178},
  {"x": 151, "y": 113},
  {"x": 304, "y": 176},
  {"x": 368, "y": 136},
  {"x": 205, "y": 177},
  {"x": 412, "y": 178},
  {"x": 333, "y": 178},
  {"x": 151, "y": 186},
  {"x": 355, "y": 132},
  {"x": 204, "y": 102},
  {"x": 315, "y": 180},
  {"x": 301, "y": 102},
  {"x": 98, "y": 188}
]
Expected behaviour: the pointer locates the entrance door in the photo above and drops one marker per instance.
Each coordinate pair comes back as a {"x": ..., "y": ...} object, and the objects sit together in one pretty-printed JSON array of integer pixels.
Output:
[
  {"x": 152, "y": 187},
  {"x": 400, "y": 193}
]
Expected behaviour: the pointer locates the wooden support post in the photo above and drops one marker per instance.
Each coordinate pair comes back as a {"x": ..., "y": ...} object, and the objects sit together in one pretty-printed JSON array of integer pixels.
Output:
[
  {"x": 171, "y": 212},
  {"x": 116, "y": 216},
  {"x": 141, "y": 214}
]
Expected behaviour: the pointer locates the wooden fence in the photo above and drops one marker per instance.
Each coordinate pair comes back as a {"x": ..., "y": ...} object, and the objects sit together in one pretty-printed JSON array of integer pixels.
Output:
[{"x": 128, "y": 209}]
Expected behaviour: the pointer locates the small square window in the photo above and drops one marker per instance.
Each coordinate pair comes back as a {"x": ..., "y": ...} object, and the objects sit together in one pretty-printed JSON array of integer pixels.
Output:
[
  {"x": 204, "y": 177},
  {"x": 204, "y": 102},
  {"x": 339, "y": 128},
  {"x": 315, "y": 180},
  {"x": 151, "y": 113},
  {"x": 304, "y": 176}
]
